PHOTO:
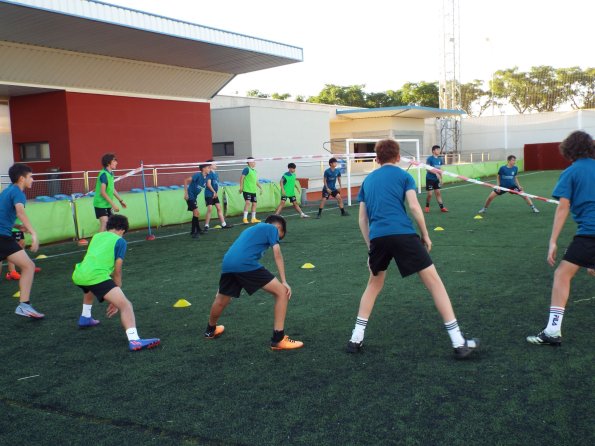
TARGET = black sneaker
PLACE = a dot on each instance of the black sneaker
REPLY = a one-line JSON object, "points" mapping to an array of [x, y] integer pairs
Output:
{"points": [[345, 214], [354, 347], [542, 338], [318, 216], [227, 226], [194, 235], [465, 350]]}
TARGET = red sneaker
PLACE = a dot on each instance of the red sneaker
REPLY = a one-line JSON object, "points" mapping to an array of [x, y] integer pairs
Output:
{"points": [[13, 275], [427, 209], [443, 210]]}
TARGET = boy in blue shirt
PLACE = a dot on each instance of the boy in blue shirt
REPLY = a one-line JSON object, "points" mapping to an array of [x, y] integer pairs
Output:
{"points": [[433, 179], [575, 191], [192, 187], [240, 269], [212, 197], [389, 234], [507, 177], [330, 178], [12, 206], [287, 187], [100, 274]]}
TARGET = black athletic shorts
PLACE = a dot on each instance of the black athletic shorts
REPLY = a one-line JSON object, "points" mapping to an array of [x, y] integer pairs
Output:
{"points": [[210, 201], [326, 193], [99, 289], [231, 284], [8, 246], [291, 199], [103, 212], [432, 184], [191, 204], [410, 255], [18, 236], [581, 251], [502, 192], [249, 197]]}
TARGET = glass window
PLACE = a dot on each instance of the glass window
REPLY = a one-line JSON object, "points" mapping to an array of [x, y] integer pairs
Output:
{"points": [[223, 149], [35, 151]]}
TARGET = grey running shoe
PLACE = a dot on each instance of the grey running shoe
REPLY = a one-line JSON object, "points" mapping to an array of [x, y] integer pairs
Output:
{"points": [[535, 210], [466, 349], [27, 310], [482, 210], [354, 347], [542, 338]]}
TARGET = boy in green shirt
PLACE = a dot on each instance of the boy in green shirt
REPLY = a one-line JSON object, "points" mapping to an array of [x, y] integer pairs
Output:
{"points": [[248, 184], [100, 274], [287, 186], [103, 201]]}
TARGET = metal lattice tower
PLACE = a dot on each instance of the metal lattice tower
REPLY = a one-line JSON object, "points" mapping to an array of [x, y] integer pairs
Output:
{"points": [[450, 87]]}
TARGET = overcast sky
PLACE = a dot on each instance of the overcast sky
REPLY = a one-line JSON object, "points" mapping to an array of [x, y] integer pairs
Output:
{"points": [[385, 43]]}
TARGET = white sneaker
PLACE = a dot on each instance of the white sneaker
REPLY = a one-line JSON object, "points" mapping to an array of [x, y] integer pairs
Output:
{"points": [[304, 215], [482, 210], [535, 210]]}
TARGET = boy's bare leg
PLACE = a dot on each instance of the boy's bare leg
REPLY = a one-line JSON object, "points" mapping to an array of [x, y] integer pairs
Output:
{"points": [[102, 223], [117, 298], [221, 301], [27, 267]]}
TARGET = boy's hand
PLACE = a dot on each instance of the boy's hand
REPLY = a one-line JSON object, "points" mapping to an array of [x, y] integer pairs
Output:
{"points": [[591, 272], [214, 194], [115, 208], [34, 242], [288, 289], [111, 310], [123, 204], [551, 254], [240, 190], [427, 242], [185, 196]]}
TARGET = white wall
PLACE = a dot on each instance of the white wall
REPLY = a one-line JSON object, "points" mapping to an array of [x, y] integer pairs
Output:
{"points": [[6, 156]]}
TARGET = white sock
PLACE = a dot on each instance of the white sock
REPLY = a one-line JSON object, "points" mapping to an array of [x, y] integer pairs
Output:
{"points": [[358, 332], [253, 215], [206, 226], [456, 337], [132, 334], [86, 310], [554, 325], [223, 224], [245, 214]]}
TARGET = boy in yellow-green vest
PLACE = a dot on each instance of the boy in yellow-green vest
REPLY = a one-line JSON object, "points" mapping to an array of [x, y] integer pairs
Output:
{"points": [[105, 191], [248, 184], [287, 185], [100, 274]]}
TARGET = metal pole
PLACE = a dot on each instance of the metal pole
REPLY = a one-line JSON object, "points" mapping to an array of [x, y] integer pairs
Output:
{"points": [[150, 236]]}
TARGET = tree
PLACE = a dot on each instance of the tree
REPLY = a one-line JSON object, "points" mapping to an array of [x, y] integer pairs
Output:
{"points": [[351, 95], [425, 94], [280, 97], [546, 92], [513, 86], [473, 97], [257, 94], [578, 86]]}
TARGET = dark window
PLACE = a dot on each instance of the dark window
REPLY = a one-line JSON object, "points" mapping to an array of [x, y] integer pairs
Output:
{"points": [[35, 151], [223, 149]]}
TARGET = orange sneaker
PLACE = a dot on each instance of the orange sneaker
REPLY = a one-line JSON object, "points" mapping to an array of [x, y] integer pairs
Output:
{"points": [[13, 275], [427, 210], [219, 329], [443, 210], [286, 344], [37, 269]]}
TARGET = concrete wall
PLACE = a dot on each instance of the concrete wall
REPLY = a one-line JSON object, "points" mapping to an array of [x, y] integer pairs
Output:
{"points": [[6, 156]]}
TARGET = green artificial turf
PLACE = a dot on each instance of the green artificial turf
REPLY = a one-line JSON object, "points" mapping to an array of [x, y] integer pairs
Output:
{"points": [[85, 387]]}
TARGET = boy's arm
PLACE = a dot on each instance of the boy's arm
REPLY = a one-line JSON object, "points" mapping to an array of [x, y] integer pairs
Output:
{"points": [[117, 195], [516, 180], [186, 182], [418, 216], [22, 215], [210, 187], [259, 186], [364, 226], [559, 219], [339, 180], [117, 274], [281, 267], [242, 183]]}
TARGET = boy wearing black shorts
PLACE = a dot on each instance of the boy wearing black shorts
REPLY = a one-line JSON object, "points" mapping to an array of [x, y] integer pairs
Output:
{"points": [[18, 234], [240, 269], [12, 206], [287, 186], [248, 184], [105, 191], [389, 234], [100, 275], [331, 176], [433, 179], [212, 197], [575, 191], [192, 187]]}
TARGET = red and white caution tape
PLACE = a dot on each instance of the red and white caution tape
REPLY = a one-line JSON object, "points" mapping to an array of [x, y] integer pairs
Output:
{"points": [[236, 161]]}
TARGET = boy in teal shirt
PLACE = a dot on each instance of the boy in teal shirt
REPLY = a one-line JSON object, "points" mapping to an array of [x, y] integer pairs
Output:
{"points": [[192, 187], [105, 191], [248, 184], [100, 274], [287, 186]]}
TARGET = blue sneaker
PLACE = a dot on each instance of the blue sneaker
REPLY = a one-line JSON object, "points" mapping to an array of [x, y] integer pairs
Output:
{"points": [[140, 344], [85, 322], [27, 310]]}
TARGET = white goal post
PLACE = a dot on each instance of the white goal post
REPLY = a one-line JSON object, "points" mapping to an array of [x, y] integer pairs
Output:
{"points": [[349, 157]]}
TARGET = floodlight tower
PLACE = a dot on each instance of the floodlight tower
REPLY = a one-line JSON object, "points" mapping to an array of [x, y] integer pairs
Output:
{"points": [[450, 87]]}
